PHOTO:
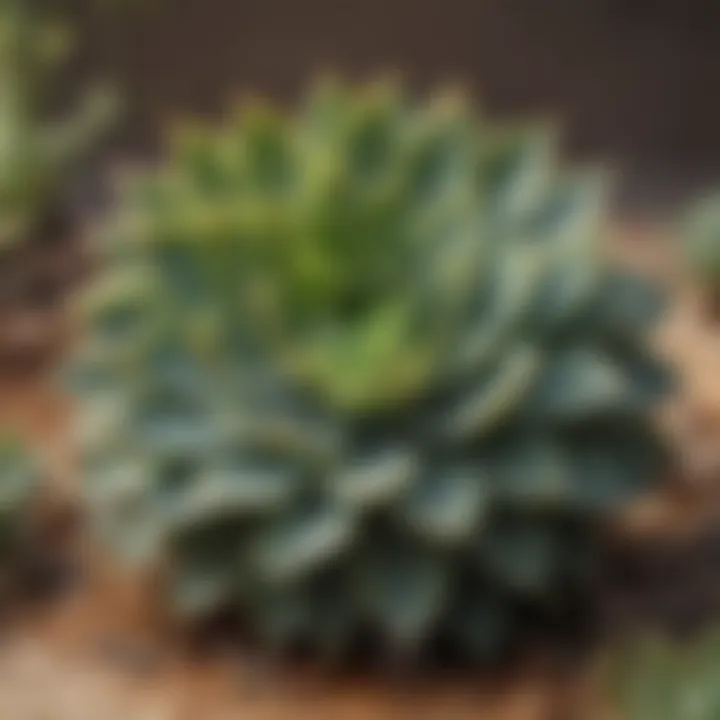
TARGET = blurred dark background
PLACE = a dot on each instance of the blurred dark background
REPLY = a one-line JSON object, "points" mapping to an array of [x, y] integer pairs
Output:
{"points": [[637, 82]]}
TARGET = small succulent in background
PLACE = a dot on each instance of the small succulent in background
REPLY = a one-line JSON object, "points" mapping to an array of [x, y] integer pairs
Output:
{"points": [[657, 679], [702, 238], [18, 482], [37, 156], [366, 372]]}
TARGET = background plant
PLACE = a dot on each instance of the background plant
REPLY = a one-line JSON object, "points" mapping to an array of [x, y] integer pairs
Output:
{"points": [[19, 479], [37, 155], [702, 237], [658, 679]]}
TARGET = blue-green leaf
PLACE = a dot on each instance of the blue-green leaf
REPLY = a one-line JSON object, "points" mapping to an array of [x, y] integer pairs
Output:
{"points": [[301, 543], [521, 554], [376, 479], [449, 505], [497, 397], [580, 383], [404, 592], [532, 470], [232, 492]]}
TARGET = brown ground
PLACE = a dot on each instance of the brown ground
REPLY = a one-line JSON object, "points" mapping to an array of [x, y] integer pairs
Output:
{"points": [[98, 654], [35, 279]]}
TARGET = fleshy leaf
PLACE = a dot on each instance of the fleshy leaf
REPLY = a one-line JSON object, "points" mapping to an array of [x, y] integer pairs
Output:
{"points": [[233, 492], [521, 171], [200, 591], [301, 543], [580, 383], [448, 505], [377, 479], [497, 398], [605, 476], [521, 554], [404, 592], [174, 421], [629, 304], [480, 622], [532, 470], [283, 617]]}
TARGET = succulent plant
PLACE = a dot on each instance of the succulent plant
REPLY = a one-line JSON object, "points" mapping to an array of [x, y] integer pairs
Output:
{"points": [[37, 156], [703, 246], [365, 369], [658, 679], [18, 480]]}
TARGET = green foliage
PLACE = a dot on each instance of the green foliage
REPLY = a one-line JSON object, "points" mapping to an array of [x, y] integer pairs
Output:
{"points": [[365, 369], [37, 156], [660, 680], [18, 480], [702, 234]]}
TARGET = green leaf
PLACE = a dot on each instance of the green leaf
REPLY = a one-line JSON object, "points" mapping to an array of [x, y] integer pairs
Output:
{"points": [[518, 275], [232, 492], [334, 623], [372, 142], [522, 554], [196, 152], [404, 592], [173, 419], [498, 396], [175, 475], [571, 223], [605, 477], [115, 482], [615, 460], [182, 271], [326, 112], [120, 308], [449, 505], [480, 623], [170, 365], [368, 363], [629, 304], [659, 679], [294, 438], [283, 617], [19, 476], [533, 471], [89, 373], [566, 295], [520, 171], [571, 218], [702, 240], [103, 424], [440, 161], [204, 590], [132, 532], [318, 613], [580, 383], [376, 479], [268, 149], [651, 380], [299, 544]]}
